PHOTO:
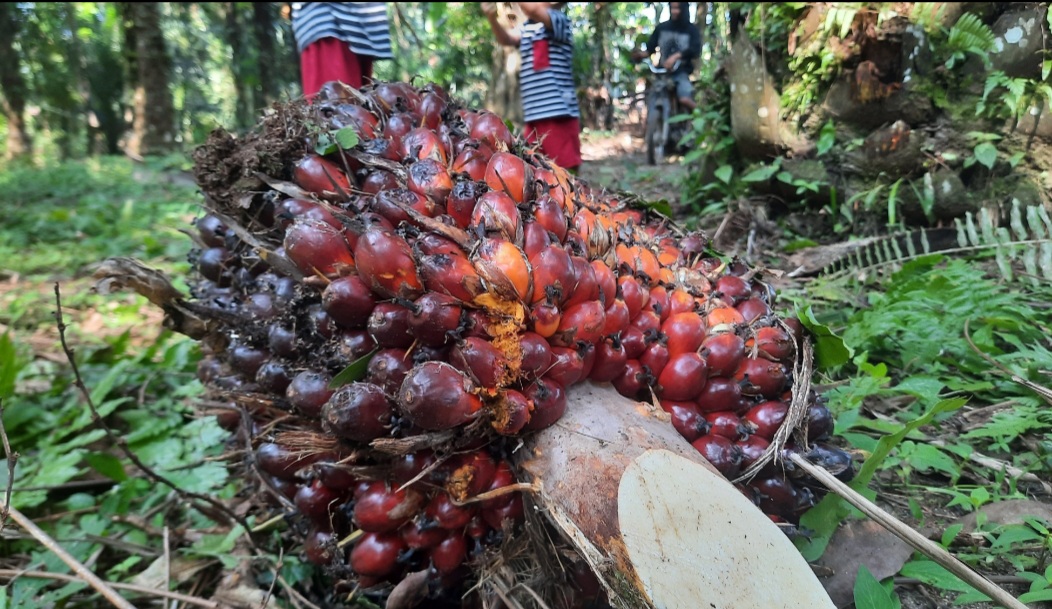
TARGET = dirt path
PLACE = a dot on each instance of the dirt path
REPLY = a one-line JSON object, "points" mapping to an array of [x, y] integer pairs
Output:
{"points": [[617, 160]]}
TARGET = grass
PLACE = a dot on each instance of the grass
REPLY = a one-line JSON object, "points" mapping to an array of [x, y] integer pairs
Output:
{"points": [[914, 394]]}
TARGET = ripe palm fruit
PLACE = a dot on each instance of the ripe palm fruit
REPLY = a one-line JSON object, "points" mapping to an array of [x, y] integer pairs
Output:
{"points": [[481, 283]]}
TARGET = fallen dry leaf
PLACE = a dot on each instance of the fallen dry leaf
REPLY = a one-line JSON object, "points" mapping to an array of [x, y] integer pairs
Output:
{"points": [[860, 542]]}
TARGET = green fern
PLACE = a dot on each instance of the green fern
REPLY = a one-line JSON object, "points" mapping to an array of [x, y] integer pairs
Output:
{"points": [[969, 35]]}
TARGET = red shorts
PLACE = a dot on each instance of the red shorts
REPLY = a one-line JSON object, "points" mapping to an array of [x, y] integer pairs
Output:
{"points": [[560, 139], [332, 59]]}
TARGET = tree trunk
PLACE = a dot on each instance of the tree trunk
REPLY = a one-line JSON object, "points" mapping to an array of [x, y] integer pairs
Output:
{"points": [[12, 86], [504, 97], [701, 21], [154, 117], [263, 24], [243, 103]]}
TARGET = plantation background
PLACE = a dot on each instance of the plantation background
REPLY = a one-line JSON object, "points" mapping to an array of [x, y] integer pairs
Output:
{"points": [[897, 186]]}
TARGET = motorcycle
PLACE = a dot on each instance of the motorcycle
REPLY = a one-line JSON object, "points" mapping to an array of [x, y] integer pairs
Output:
{"points": [[662, 135]]}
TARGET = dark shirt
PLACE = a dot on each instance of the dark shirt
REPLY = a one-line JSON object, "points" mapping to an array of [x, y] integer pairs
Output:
{"points": [[677, 37]]}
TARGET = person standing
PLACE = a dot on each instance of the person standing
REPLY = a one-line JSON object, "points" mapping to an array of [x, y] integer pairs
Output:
{"points": [[549, 95], [340, 41], [679, 41]]}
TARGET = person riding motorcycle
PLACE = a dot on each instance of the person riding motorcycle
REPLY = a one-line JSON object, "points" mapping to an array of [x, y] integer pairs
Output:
{"points": [[678, 40]]}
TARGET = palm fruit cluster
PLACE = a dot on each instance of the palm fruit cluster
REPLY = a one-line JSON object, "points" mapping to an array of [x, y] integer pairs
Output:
{"points": [[394, 310]]}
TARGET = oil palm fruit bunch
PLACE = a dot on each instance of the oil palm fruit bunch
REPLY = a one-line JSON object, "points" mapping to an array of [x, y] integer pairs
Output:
{"points": [[398, 288]]}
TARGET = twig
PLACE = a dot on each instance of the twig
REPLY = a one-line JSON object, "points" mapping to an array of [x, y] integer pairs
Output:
{"points": [[121, 442], [904, 532], [83, 572], [192, 600], [167, 565], [999, 465], [1044, 392], [12, 458]]}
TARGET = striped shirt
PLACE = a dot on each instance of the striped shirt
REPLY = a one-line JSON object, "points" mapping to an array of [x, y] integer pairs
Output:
{"points": [[546, 78], [363, 25]]}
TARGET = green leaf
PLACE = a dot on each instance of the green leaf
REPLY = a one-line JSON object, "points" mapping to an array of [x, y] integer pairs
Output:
{"points": [[1037, 596], [826, 138], [9, 366], [661, 206], [869, 594], [355, 372], [724, 173], [986, 154], [761, 174], [107, 465], [830, 349], [935, 575], [347, 138], [326, 145]]}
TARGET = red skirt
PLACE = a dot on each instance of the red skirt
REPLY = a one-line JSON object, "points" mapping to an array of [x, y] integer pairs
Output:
{"points": [[332, 59], [560, 139]]}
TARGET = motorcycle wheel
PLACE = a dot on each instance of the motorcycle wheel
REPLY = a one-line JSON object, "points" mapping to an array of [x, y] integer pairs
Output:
{"points": [[655, 136]]}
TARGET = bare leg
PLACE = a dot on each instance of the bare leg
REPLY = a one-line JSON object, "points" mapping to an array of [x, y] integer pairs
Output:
{"points": [[688, 103]]}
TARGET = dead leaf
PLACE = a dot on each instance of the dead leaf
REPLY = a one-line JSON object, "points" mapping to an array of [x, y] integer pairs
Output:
{"points": [[860, 542], [181, 571], [409, 592], [1011, 511]]}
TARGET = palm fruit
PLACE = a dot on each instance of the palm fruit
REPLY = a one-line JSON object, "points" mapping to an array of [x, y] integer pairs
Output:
{"points": [[392, 316]]}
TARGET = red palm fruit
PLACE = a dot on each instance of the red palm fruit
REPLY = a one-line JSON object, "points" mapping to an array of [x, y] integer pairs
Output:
{"points": [[765, 418], [610, 359], [685, 332], [721, 394], [549, 404], [398, 125], [731, 289], [647, 321], [796, 328], [686, 419], [217, 264], [752, 449], [581, 322], [282, 462], [724, 319], [447, 514], [508, 173], [423, 143], [319, 322], [317, 502], [389, 326], [680, 301], [320, 545], [389, 204], [485, 364], [361, 223], [417, 537], [385, 263], [434, 317], [309, 391], [359, 412], [489, 128], [336, 476], [429, 178], [584, 222], [319, 176], [503, 476], [683, 377], [658, 302], [248, 360], [777, 495], [379, 180], [353, 115], [212, 230], [545, 318], [723, 353], [567, 367], [348, 301], [436, 396], [460, 204], [753, 309], [290, 209], [511, 511], [819, 422], [633, 380], [431, 108], [549, 214], [655, 357], [376, 554], [452, 274], [587, 351], [315, 247], [773, 343], [761, 377], [553, 275], [634, 341], [273, 377], [692, 246], [607, 282], [468, 474], [721, 453], [381, 507], [727, 424], [549, 184], [477, 324], [409, 467], [390, 150], [633, 293], [353, 344], [616, 318], [587, 287], [387, 369], [504, 268], [496, 214], [449, 555], [511, 412], [536, 355], [472, 163], [535, 238]]}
